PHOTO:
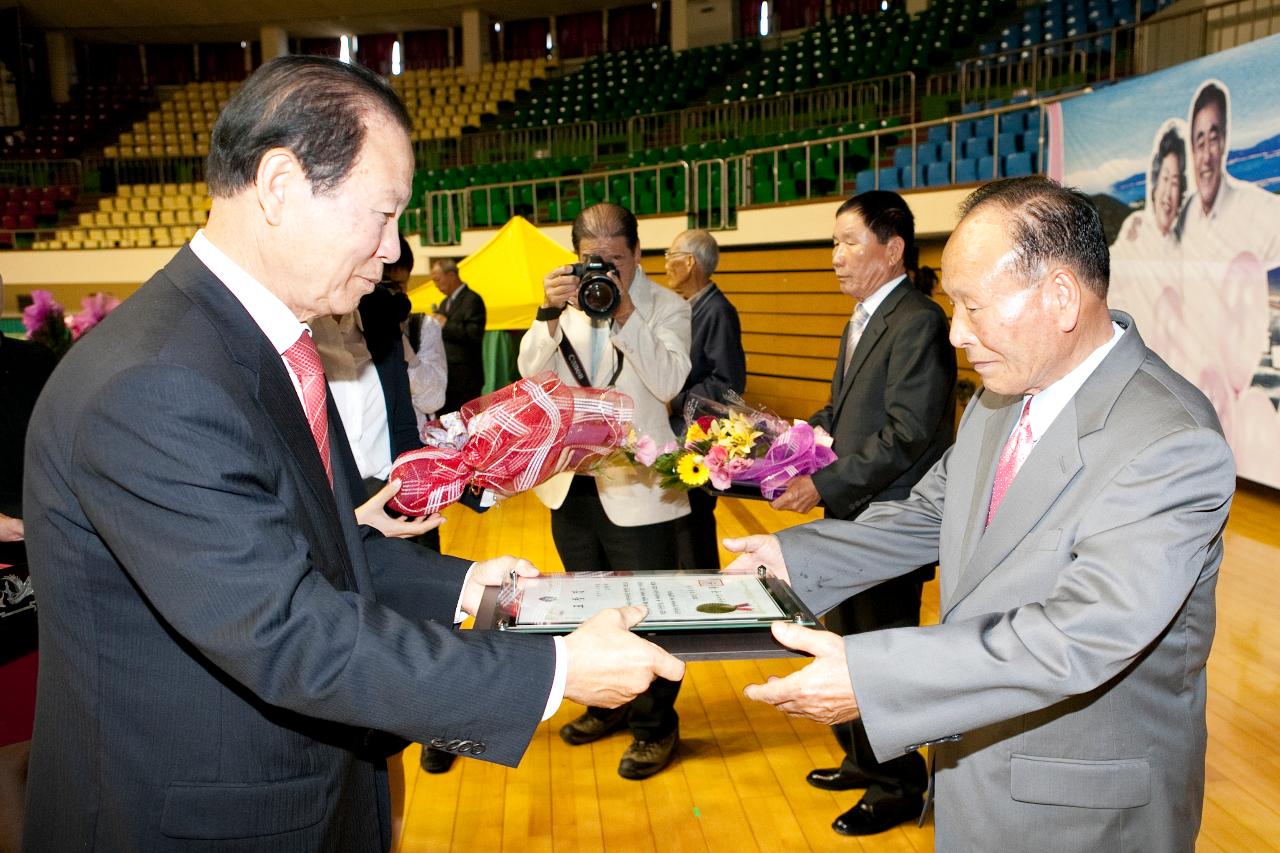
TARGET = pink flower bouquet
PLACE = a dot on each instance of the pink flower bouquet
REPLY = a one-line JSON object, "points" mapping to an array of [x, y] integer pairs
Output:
{"points": [[510, 441], [735, 445]]}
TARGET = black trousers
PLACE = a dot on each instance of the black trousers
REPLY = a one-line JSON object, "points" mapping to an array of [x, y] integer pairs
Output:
{"points": [[892, 604], [588, 541], [696, 540]]}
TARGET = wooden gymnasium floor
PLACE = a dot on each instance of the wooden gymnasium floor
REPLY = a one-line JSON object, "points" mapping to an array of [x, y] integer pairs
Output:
{"points": [[738, 783]]}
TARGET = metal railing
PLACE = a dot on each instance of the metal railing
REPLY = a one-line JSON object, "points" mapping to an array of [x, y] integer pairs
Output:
{"points": [[41, 173], [446, 213], [890, 96], [1159, 42]]}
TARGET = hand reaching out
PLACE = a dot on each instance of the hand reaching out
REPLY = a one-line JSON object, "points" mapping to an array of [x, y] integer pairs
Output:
{"points": [[755, 551], [371, 514], [608, 665], [823, 690]]}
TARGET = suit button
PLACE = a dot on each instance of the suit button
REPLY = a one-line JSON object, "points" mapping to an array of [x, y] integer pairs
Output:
{"points": [[477, 748], [437, 742]]}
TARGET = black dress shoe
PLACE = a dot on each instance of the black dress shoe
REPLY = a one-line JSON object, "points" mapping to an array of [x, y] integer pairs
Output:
{"points": [[836, 779], [870, 818], [436, 760]]}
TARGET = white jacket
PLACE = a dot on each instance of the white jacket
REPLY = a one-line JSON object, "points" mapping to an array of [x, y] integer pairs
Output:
{"points": [[655, 345]]}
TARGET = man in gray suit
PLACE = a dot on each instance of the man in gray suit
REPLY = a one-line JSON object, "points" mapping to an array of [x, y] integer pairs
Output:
{"points": [[226, 659], [1078, 520]]}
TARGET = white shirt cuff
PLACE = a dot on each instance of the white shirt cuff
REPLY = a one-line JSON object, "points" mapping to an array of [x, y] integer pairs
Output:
{"points": [[558, 683]]}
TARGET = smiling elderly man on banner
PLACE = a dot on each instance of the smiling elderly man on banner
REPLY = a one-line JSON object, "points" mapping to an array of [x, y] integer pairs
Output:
{"points": [[1078, 522]]}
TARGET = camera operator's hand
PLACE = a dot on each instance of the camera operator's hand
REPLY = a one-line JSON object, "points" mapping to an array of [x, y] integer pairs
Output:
{"points": [[625, 305], [560, 288]]}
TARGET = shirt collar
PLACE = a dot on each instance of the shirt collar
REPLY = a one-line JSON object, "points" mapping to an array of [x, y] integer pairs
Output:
{"points": [[872, 302], [1049, 403], [275, 319], [697, 297]]}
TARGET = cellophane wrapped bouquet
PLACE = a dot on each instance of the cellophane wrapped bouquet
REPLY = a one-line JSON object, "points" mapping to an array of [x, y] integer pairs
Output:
{"points": [[510, 441], [727, 445]]}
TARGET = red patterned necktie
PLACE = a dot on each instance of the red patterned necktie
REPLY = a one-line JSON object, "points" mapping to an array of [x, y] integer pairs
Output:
{"points": [[1015, 452], [304, 358]]}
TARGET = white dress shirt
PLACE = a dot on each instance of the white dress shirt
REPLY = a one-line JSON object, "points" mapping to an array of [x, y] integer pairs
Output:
{"points": [[1049, 403], [872, 302]]}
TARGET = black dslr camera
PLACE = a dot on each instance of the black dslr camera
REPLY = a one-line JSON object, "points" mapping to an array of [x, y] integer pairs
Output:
{"points": [[598, 295]]}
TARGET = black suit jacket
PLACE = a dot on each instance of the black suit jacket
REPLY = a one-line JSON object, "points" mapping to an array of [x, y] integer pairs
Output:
{"points": [[220, 644], [380, 317], [463, 335], [893, 416], [718, 363]]}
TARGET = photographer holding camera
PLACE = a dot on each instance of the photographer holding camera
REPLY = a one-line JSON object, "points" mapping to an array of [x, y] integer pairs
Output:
{"points": [[604, 324]]}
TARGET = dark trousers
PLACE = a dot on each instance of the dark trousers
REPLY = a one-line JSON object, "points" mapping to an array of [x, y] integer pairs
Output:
{"points": [[588, 541], [892, 604], [696, 540]]}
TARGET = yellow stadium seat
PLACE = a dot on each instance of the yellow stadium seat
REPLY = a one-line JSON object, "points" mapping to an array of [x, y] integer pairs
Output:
{"points": [[133, 217]]}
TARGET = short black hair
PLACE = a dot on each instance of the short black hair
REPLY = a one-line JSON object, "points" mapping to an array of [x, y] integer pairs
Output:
{"points": [[1211, 93], [1170, 143], [887, 216], [314, 106], [603, 221], [1050, 224]]}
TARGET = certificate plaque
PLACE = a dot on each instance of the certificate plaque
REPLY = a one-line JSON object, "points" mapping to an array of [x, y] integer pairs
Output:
{"points": [[694, 615]]}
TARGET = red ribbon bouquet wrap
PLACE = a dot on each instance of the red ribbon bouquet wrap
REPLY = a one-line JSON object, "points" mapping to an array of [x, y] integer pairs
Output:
{"points": [[516, 438]]}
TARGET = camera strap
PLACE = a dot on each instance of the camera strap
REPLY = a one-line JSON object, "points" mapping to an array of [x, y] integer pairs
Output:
{"points": [[575, 363]]}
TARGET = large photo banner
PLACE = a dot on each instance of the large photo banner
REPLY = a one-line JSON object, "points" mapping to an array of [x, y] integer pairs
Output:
{"points": [[1185, 166]]}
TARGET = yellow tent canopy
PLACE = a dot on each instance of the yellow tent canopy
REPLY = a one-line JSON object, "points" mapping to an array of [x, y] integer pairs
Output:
{"points": [[507, 272]]}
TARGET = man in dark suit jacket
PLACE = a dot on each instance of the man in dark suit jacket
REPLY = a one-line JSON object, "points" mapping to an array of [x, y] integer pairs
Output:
{"points": [[892, 415], [226, 657], [719, 368], [462, 318]]}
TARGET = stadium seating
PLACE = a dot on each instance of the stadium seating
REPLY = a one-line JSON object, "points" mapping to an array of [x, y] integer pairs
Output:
{"points": [[138, 216], [443, 101], [179, 128]]}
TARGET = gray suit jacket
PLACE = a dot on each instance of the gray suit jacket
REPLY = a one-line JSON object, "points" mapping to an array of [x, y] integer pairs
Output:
{"points": [[221, 647], [1065, 687]]}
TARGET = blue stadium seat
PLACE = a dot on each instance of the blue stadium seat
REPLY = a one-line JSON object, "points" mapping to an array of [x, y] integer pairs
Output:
{"points": [[977, 147], [927, 153], [902, 157], [1008, 143], [944, 152], [986, 168], [889, 178], [966, 171], [939, 133], [1019, 165], [938, 174], [864, 181]]}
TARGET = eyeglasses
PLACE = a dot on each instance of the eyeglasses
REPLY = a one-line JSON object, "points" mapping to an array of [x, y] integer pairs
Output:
{"points": [[669, 254]]}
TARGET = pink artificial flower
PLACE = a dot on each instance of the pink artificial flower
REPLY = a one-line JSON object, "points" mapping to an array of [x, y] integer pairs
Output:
{"points": [[94, 308], [646, 450], [717, 462], [37, 315], [669, 447]]}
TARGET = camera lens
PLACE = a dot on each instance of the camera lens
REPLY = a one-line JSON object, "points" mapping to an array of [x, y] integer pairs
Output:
{"points": [[598, 296]]}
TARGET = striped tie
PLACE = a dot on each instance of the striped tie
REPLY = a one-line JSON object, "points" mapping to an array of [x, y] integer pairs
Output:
{"points": [[856, 327], [1015, 452], [305, 361]]}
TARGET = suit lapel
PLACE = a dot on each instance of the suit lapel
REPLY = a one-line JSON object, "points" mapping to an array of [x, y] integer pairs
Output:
{"points": [[1048, 471], [248, 346], [876, 326]]}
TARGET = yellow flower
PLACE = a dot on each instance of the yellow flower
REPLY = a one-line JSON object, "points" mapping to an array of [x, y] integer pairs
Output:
{"points": [[692, 471], [694, 434]]}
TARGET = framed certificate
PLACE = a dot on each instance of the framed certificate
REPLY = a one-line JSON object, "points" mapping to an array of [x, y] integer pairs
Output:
{"points": [[694, 615]]}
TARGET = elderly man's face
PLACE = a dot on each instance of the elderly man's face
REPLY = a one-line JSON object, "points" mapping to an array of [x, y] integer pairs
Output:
{"points": [[862, 263], [615, 251], [339, 242], [1167, 196], [1002, 321], [680, 266], [445, 282], [1208, 139]]}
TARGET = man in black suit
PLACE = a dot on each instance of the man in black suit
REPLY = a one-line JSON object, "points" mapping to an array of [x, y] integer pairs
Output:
{"points": [[461, 317], [226, 658], [719, 368], [892, 415]]}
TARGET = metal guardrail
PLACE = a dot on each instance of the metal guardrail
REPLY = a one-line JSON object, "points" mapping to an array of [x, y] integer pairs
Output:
{"points": [[41, 173], [445, 213], [890, 96], [1167, 39]]}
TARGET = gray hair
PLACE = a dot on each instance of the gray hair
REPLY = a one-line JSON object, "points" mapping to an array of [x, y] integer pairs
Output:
{"points": [[703, 247], [445, 265]]}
